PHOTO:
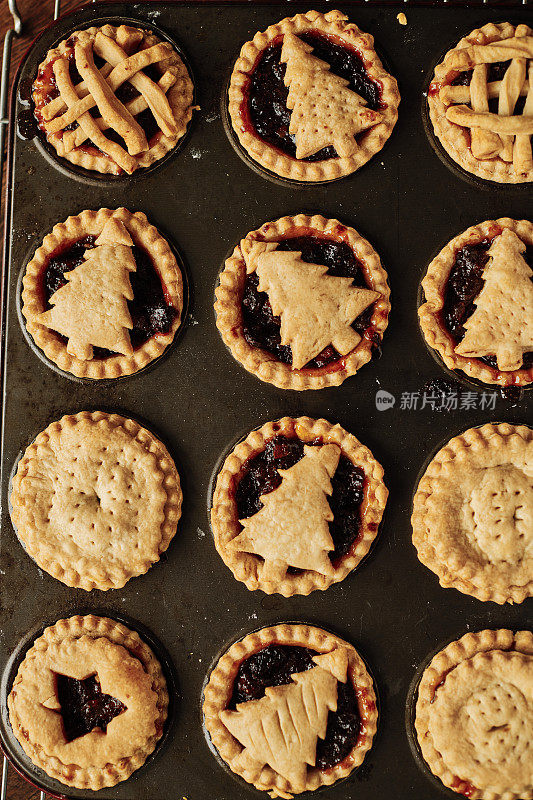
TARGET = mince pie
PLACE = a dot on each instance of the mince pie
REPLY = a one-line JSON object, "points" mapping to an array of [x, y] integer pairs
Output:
{"points": [[303, 302], [478, 310], [103, 294], [474, 715], [481, 102], [113, 99], [89, 702], [296, 506], [473, 513], [309, 99], [96, 499], [290, 709]]}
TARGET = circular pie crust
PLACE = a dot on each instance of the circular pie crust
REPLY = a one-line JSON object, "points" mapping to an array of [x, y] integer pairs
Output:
{"points": [[96, 499], [74, 228], [434, 287], [180, 97], [83, 646], [334, 24], [456, 139], [460, 492], [477, 717], [219, 689], [260, 362], [247, 567]]}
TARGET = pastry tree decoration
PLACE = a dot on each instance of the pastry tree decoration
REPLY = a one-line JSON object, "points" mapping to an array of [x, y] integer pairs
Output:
{"points": [[325, 112], [316, 309], [291, 529], [92, 309], [282, 728], [502, 322]]}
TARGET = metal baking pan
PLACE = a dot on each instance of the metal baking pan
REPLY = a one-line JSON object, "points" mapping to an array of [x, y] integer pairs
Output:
{"points": [[408, 203]]}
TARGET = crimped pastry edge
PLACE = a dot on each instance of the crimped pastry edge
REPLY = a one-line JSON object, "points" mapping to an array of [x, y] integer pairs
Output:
{"points": [[94, 626], [434, 284], [264, 365], [218, 690], [247, 567], [170, 483], [333, 23], [75, 227]]}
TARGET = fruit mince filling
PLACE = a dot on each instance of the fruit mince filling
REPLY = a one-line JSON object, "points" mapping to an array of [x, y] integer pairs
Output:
{"points": [[273, 666], [84, 706]]}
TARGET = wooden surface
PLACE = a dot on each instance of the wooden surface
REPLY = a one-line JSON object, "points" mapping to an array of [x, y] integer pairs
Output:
{"points": [[35, 14]]}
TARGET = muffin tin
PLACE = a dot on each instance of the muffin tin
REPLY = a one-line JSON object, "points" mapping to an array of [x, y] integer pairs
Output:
{"points": [[199, 401]]}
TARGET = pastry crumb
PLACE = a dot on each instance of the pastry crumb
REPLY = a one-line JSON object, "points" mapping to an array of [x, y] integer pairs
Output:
{"points": [[402, 19]]}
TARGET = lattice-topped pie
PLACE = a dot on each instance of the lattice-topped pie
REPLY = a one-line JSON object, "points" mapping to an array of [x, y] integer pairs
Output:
{"points": [[473, 513], [309, 99], [89, 702], [103, 294], [296, 506], [290, 709], [481, 102], [96, 499], [113, 99], [474, 715], [303, 302], [478, 310]]}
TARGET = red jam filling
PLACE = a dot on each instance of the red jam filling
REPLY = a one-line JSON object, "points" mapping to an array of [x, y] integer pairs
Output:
{"points": [[84, 706], [263, 330], [266, 110], [273, 666], [260, 476], [151, 312]]}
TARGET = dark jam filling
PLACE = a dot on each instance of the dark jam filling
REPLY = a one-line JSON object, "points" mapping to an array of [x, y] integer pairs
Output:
{"points": [[150, 312], [273, 666], [495, 72], [261, 476], [84, 706], [262, 329], [267, 94], [465, 282]]}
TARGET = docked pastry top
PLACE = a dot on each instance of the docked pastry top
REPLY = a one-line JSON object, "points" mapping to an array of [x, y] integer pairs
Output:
{"points": [[113, 99], [103, 295], [481, 102], [303, 302], [309, 98]]}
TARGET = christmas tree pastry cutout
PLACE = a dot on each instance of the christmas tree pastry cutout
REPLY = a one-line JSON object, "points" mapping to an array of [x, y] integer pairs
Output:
{"points": [[282, 728], [325, 112], [502, 322], [91, 309], [291, 529], [316, 309]]}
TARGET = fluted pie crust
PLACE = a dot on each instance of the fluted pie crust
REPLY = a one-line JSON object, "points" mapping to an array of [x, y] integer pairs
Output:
{"points": [[247, 567], [434, 288], [265, 365], [484, 719], [89, 222], [96, 500], [219, 689], [132, 674], [334, 24]]}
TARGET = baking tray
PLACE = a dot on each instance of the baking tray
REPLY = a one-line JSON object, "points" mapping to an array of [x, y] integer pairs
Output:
{"points": [[408, 203]]}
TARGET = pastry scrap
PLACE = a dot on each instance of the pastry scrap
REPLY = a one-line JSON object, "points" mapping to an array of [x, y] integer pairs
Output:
{"points": [[303, 302], [290, 709], [474, 715], [103, 294], [113, 99], [478, 310], [297, 506], [89, 702], [309, 98], [473, 513], [481, 102], [96, 499]]}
